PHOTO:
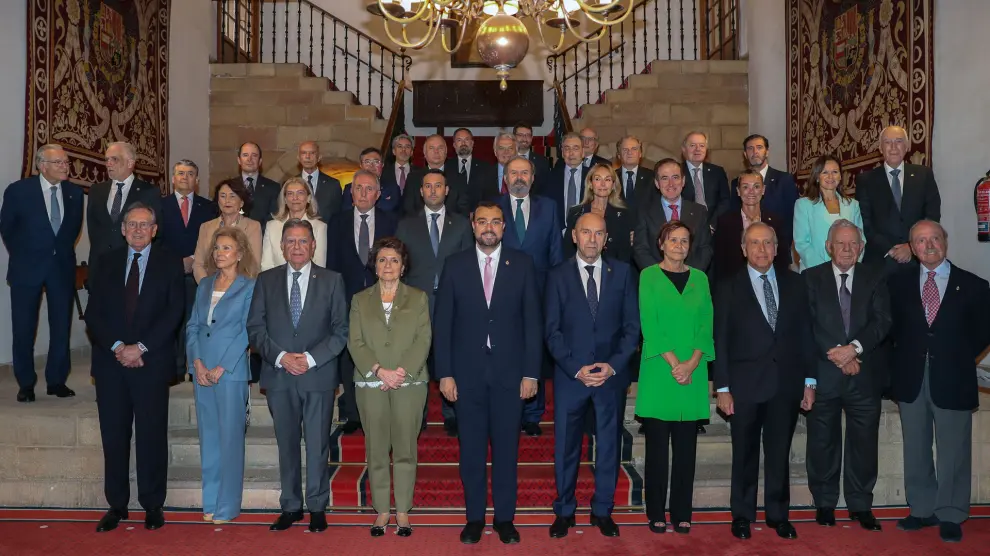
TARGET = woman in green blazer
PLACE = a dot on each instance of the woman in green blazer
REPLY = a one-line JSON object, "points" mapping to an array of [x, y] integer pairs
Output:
{"points": [[389, 341], [675, 307]]}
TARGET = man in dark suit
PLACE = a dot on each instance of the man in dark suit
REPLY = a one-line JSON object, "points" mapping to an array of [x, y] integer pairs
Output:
{"points": [[589, 146], [523, 134], [566, 183], [492, 183], [892, 197], [350, 236], [108, 200], [135, 306], [264, 192], [488, 345], [389, 195], [531, 226], [764, 374], [431, 236], [435, 150], [713, 190], [326, 190], [850, 315], [638, 183], [183, 213], [939, 329], [396, 172], [592, 331], [40, 221], [470, 173], [780, 190], [671, 206], [298, 323]]}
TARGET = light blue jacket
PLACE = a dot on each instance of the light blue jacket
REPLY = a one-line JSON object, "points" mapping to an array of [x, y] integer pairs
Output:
{"points": [[224, 341], [811, 224]]}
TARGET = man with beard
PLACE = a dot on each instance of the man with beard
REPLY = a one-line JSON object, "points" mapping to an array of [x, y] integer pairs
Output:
{"points": [[523, 134], [467, 171], [780, 190], [488, 350]]}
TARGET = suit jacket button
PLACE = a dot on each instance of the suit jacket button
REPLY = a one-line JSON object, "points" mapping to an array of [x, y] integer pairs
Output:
{"points": [[294, 334], [214, 321], [207, 334], [386, 344]]}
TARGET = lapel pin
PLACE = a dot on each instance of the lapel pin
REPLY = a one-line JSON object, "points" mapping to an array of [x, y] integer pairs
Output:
{"points": [[507, 262], [957, 288]]}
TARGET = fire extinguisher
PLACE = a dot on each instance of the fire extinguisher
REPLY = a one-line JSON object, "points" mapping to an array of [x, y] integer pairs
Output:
{"points": [[981, 197]]}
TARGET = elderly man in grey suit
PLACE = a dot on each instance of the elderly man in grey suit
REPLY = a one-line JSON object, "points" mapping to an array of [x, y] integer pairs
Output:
{"points": [[298, 323]]}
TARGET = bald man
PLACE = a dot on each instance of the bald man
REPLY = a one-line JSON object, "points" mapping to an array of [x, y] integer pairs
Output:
{"points": [[892, 198], [326, 190]]}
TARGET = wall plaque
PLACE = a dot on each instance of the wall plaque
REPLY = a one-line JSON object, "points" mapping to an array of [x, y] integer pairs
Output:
{"points": [[476, 103]]}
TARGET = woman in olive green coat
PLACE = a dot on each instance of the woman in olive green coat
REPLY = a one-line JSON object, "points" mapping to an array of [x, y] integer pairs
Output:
{"points": [[389, 341], [675, 307]]}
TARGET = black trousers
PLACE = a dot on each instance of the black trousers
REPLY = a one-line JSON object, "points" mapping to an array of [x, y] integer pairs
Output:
{"points": [[774, 422], [682, 436], [139, 397], [825, 451], [347, 402]]}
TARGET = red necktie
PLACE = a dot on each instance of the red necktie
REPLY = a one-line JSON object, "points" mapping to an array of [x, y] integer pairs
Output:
{"points": [[402, 178], [184, 207], [674, 215], [929, 297]]}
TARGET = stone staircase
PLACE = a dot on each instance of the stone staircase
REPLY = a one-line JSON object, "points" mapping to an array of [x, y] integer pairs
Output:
{"points": [[671, 99], [278, 106]]}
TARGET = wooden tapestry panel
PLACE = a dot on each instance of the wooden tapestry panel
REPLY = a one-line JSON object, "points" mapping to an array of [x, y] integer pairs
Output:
{"points": [[98, 73], [854, 67]]}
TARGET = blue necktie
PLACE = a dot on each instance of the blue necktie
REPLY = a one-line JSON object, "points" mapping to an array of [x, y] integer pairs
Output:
{"points": [[592, 291], [295, 299], [520, 221], [56, 217]]}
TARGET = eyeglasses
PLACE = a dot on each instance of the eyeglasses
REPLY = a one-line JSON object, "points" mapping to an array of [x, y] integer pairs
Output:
{"points": [[57, 162], [138, 225], [485, 223], [371, 162]]}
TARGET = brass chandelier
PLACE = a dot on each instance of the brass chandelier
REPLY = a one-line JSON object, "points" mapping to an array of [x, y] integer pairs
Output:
{"points": [[502, 39]]}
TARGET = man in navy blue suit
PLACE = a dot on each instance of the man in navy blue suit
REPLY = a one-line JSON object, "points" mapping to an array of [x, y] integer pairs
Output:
{"points": [[566, 183], [532, 226], [389, 194], [349, 238], [40, 221], [592, 331], [487, 344], [780, 191], [183, 213]]}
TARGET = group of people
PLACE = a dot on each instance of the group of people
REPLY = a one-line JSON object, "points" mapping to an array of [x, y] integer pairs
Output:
{"points": [[488, 278]]}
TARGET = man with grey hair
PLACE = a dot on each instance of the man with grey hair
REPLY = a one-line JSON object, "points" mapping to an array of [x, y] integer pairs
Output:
{"points": [[396, 172], [388, 195], [850, 315], [939, 329], [566, 183], [109, 199], [892, 197], [182, 213], [704, 183], [636, 181], [41, 247], [435, 152], [326, 190], [589, 146]]}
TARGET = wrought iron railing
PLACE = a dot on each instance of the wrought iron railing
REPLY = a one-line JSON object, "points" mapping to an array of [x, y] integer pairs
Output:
{"points": [[297, 31]]}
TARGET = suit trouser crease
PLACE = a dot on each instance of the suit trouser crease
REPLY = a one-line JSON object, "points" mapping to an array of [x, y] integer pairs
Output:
{"points": [[661, 436], [773, 421], [825, 458], [391, 422], [936, 486], [347, 402], [219, 418], [25, 305], [302, 415]]}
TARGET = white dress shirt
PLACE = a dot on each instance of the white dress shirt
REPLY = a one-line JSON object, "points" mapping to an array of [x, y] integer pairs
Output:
{"points": [[113, 192], [513, 202], [429, 219], [481, 262], [763, 173], [900, 176], [584, 275], [849, 286], [357, 227], [46, 192], [303, 287]]}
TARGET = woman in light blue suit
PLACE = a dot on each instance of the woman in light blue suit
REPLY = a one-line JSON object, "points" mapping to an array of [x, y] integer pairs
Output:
{"points": [[216, 343], [822, 203]]}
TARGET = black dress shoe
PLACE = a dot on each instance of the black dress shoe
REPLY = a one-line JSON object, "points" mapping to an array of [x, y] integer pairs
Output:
{"points": [[866, 520], [532, 429], [659, 527], [285, 520], [950, 532], [60, 390], [450, 425], [25, 395], [825, 517], [472, 531], [606, 525], [350, 427], [154, 519], [317, 522], [561, 524], [740, 529], [913, 523], [110, 520], [701, 429], [507, 532], [784, 529]]}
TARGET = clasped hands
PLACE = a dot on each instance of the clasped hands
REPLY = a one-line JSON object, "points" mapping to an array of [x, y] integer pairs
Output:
{"points": [[592, 378], [391, 379], [129, 355], [295, 363], [845, 359], [207, 377]]}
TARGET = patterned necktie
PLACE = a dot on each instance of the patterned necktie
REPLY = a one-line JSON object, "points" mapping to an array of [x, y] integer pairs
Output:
{"points": [[674, 215], [364, 239], [184, 209], [520, 221], [845, 302], [132, 288], [489, 280], [592, 291], [295, 299], [464, 166], [771, 302], [402, 178], [699, 188], [56, 215], [118, 200], [630, 185], [312, 186], [895, 186], [572, 189], [250, 185], [930, 298]]}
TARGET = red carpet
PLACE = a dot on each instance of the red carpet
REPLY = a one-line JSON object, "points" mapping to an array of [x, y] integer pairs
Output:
{"points": [[438, 484], [29, 538]]}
